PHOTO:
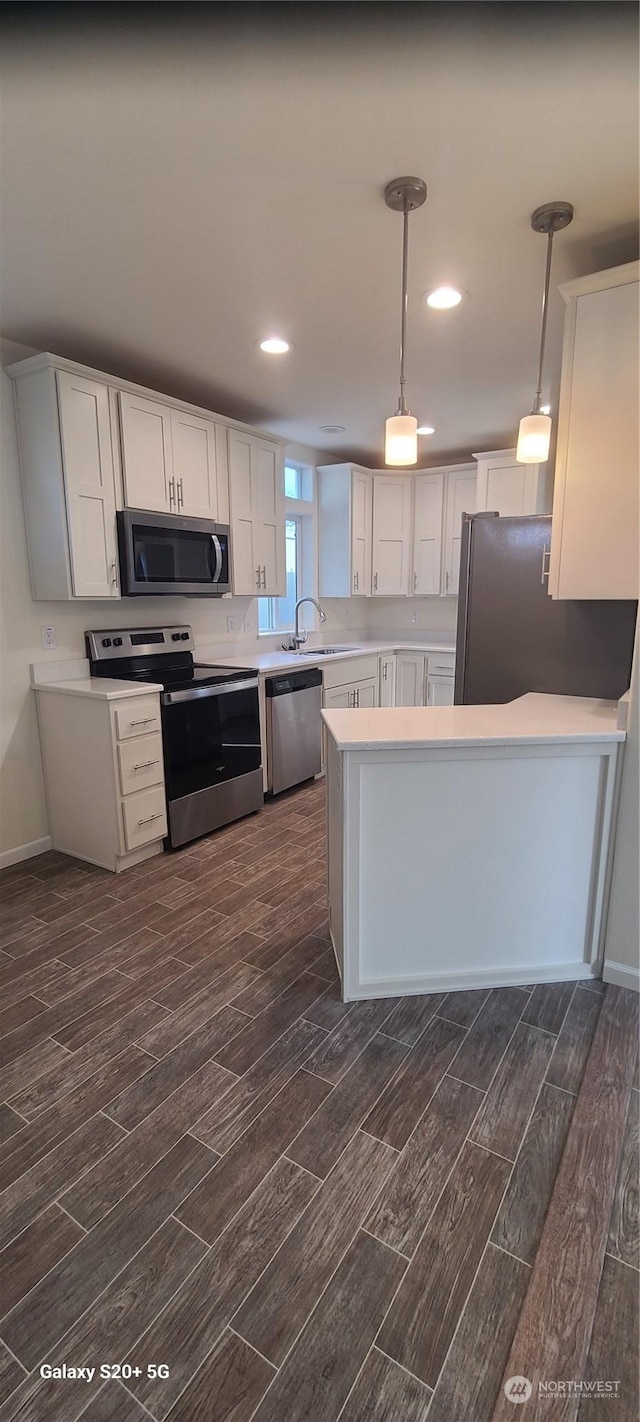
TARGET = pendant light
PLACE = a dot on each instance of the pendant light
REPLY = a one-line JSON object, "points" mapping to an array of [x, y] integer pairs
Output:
{"points": [[534, 433], [401, 430]]}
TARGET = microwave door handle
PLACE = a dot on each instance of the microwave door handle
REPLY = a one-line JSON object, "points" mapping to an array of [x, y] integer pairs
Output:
{"points": [[218, 552]]}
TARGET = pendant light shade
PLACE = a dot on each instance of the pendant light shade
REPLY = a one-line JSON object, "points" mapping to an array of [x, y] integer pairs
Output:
{"points": [[401, 440], [534, 438], [401, 430], [534, 433]]}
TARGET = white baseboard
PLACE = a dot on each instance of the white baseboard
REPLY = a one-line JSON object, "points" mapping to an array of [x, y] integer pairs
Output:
{"points": [[620, 975], [24, 851]]}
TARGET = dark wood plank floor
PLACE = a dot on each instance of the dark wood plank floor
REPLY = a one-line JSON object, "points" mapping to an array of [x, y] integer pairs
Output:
{"points": [[294, 1208]]}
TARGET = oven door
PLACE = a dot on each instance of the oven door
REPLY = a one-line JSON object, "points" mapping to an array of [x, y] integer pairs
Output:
{"points": [[211, 736], [163, 554]]}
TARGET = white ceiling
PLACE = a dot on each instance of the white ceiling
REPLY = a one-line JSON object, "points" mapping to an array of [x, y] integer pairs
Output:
{"points": [[177, 186]]}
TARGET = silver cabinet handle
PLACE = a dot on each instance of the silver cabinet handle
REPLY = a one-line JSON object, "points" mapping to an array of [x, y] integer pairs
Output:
{"points": [[172, 492], [355, 582], [258, 578], [149, 820], [384, 671], [146, 722], [546, 553], [352, 698], [448, 670], [145, 764], [180, 494], [114, 574], [415, 581], [446, 582], [375, 582], [429, 695], [264, 576], [357, 696]]}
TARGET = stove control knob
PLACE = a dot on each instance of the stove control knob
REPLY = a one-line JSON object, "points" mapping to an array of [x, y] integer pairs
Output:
{"points": [[117, 641], [184, 636], [106, 641], [175, 636]]}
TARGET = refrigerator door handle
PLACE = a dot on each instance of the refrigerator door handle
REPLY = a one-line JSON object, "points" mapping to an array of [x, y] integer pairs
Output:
{"points": [[546, 553]]}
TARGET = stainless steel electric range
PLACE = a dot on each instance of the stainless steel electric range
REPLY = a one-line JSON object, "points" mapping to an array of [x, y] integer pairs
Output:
{"points": [[210, 725]]}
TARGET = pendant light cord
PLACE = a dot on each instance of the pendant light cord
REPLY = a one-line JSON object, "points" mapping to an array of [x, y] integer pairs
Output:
{"points": [[543, 334], [402, 406]]}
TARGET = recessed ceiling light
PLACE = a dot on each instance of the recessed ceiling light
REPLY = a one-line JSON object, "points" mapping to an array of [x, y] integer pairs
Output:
{"points": [[275, 345], [332, 429], [426, 429], [443, 297]]}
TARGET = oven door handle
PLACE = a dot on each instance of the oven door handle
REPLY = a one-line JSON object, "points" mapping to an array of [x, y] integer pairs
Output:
{"points": [[170, 698], [218, 552]]}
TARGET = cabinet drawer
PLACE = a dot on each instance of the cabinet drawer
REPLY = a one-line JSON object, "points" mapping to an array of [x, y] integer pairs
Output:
{"points": [[140, 763], [137, 717], [441, 663], [352, 669], [145, 817]]}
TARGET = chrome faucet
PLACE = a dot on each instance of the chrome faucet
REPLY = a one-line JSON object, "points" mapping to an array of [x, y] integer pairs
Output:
{"points": [[298, 637]]}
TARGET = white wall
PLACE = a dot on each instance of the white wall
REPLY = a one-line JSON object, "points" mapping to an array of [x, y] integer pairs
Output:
{"points": [[23, 817], [623, 925]]}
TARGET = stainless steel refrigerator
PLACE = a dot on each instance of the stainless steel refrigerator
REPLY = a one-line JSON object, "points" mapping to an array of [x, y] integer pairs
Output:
{"points": [[513, 638]]}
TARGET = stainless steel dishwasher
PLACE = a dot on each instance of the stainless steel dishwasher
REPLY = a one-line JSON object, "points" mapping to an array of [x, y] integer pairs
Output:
{"points": [[294, 727]]}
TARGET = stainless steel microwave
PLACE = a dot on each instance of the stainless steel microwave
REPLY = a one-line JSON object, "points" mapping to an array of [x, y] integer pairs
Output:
{"points": [[163, 554]]}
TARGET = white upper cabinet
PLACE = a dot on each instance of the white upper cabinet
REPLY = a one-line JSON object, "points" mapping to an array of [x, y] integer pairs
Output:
{"points": [[510, 489], [147, 461], [594, 540], [345, 514], [460, 498], [256, 484], [85, 433], [68, 484], [427, 534], [195, 465], [361, 523], [391, 548]]}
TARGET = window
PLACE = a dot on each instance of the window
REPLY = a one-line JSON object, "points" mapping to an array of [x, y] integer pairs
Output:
{"points": [[292, 481], [276, 614]]}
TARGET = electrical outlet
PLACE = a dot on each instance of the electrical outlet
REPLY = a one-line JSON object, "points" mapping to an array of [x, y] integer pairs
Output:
{"points": [[48, 638], [231, 624]]}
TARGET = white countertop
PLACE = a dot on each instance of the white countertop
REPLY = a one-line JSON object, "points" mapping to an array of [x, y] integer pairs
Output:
{"points": [[102, 688], [267, 662], [530, 720]]}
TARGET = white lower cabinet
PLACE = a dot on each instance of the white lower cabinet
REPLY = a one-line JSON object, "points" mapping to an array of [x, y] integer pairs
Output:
{"points": [[439, 690], [387, 679], [351, 683], [411, 671], [104, 776]]}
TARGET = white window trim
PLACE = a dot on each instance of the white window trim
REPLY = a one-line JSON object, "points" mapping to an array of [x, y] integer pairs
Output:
{"points": [[305, 513]]}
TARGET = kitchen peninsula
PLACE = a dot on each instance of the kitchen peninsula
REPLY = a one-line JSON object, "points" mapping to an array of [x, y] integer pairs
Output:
{"points": [[469, 845]]}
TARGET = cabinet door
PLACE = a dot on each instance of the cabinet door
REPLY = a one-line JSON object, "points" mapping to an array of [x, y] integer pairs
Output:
{"points": [[510, 489], [391, 536], [410, 678], [269, 530], [244, 556], [366, 693], [460, 498], [440, 691], [194, 465], [146, 454], [89, 485], [387, 681], [361, 515], [427, 535], [594, 532], [338, 697]]}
